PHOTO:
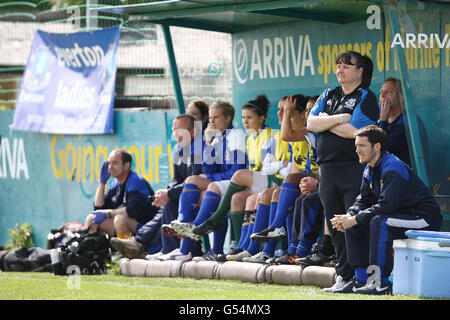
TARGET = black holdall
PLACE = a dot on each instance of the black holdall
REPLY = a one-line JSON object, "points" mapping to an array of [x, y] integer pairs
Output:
{"points": [[23, 259], [89, 252]]}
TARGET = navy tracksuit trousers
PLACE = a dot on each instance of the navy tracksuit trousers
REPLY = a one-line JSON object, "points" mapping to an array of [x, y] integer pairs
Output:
{"points": [[308, 220], [149, 234], [339, 185], [372, 244], [152, 237]]}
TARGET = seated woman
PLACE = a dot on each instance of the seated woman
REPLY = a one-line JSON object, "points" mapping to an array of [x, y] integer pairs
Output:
{"points": [[275, 167], [296, 110], [270, 197], [224, 154], [254, 113]]}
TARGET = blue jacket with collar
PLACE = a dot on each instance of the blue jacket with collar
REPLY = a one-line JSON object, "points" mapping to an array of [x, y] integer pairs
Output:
{"points": [[393, 187], [132, 194], [186, 161], [225, 155]]}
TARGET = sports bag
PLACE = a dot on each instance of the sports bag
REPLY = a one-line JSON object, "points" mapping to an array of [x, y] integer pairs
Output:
{"points": [[23, 259], [89, 252], [59, 237]]}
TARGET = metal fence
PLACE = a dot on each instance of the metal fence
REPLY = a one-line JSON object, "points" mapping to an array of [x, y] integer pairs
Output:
{"points": [[143, 77]]}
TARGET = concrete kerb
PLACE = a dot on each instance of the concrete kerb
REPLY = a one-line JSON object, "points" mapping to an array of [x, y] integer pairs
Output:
{"points": [[231, 270]]}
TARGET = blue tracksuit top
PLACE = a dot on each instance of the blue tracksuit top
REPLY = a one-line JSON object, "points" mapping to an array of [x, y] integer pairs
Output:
{"points": [[133, 195], [225, 155], [393, 187], [361, 104], [187, 161]]}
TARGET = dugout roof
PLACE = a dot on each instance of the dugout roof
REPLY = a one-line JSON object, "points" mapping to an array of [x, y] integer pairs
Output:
{"points": [[232, 16]]}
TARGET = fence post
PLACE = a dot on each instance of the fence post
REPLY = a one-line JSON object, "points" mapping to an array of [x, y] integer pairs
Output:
{"points": [[173, 69]]}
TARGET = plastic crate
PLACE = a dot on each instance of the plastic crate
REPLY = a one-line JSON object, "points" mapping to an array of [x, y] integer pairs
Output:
{"points": [[422, 264]]}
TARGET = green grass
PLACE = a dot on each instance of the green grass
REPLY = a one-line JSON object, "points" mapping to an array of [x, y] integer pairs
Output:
{"points": [[46, 286]]}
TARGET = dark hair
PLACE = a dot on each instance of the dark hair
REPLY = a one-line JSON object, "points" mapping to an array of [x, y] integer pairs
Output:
{"points": [[190, 119], [202, 107], [260, 105], [312, 98], [375, 135], [300, 102], [126, 156], [360, 62]]}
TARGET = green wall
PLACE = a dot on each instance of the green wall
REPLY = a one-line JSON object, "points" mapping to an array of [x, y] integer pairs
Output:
{"points": [[281, 60], [48, 180]]}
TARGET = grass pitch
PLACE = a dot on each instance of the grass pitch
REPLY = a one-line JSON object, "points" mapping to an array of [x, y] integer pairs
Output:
{"points": [[46, 286]]}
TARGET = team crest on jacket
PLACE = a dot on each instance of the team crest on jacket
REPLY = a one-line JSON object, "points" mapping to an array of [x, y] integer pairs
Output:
{"points": [[350, 103]]}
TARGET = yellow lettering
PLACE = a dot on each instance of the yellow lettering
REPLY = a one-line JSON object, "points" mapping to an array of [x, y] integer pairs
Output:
{"points": [[334, 55], [363, 49], [57, 172], [409, 58], [328, 63], [79, 165], [100, 151], [136, 159], [421, 64], [147, 176], [387, 48], [368, 49], [84, 162], [70, 173], [436, 57], [88, 152], [380, 56], [169, 152], [416, 50], [320, 68], [158, 151], [430, 54]]}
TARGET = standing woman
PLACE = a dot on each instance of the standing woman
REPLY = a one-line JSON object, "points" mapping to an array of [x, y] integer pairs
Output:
{"points": [[303, 165], [337, 115]]}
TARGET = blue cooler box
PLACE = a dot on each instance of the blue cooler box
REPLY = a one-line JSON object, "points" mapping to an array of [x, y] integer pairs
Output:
{"points": [[422, 264]]}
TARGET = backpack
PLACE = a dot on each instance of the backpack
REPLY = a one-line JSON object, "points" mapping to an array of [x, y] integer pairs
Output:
{"points": [[89, 251], [26, 260], [59, 237]]}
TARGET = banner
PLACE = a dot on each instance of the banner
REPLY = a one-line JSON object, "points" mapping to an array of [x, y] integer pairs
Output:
{"points": [[68, 84]]}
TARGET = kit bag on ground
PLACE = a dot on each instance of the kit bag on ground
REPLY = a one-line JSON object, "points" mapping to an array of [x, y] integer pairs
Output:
{"points": [[23, 259], [85, 253], [59, 237]]}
